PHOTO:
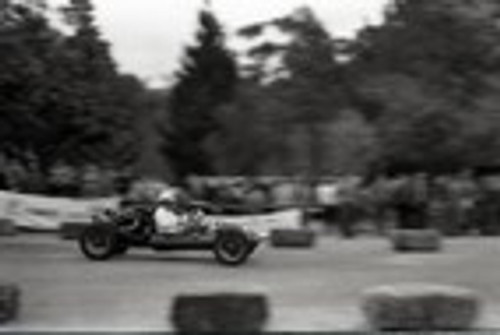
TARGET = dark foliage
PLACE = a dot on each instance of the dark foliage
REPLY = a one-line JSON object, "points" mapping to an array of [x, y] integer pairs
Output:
{"points": [[205, 82]]}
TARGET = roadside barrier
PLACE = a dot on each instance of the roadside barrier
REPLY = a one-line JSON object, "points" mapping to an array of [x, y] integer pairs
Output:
{"points": [[8, 227], [420, 307], [221, 312], [9, 302], [292, 238], [72, 230], [416, 240]]}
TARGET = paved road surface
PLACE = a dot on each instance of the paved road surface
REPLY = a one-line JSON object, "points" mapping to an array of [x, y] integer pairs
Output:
{"points": [[315, 289]]}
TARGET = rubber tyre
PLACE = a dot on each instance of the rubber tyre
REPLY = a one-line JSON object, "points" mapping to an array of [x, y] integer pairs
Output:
{"points": [[98, 242], [232, 248]]}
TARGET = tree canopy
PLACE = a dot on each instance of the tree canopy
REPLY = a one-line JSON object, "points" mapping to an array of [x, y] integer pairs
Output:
{"points": [[422, 87], [419, 91], [425, 77], [62, 98]]}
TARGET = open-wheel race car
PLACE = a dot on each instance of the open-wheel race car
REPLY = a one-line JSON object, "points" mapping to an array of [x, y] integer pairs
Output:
{"points": [[113, 232]]}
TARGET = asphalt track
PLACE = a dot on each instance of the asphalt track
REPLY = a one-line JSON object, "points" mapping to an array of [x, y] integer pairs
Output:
{"points": [[318, 289]]}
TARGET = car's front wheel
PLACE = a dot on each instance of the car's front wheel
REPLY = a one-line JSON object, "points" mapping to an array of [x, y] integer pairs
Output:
{"points": [[99, 242], [232, 248]]}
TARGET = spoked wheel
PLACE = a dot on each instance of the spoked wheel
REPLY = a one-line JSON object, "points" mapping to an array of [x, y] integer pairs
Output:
{"points": [[98, 242], [232, 248]]}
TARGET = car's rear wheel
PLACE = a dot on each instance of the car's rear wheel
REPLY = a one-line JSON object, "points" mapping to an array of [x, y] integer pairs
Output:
{"points": [[99, 242], [232, 248]]}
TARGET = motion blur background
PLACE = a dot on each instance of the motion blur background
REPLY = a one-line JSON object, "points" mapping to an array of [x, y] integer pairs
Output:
{"points": [[316, 96]]}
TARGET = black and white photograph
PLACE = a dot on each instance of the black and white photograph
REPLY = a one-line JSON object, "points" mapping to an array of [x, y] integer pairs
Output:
{"points": [[249, 166]]}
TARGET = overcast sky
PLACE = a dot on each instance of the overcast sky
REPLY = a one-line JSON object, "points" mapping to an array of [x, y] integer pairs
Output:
{"points": [[148, 36]]}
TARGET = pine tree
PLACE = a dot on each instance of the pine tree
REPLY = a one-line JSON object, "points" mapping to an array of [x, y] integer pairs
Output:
{"points": [[102, 102], [205, 82]]}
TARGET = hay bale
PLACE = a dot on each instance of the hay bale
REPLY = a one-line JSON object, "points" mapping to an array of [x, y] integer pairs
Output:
{"points": [[7, 227], [419, 240], [219, 312], [72, 230], [292, 238], [420, 307], [9, 302]]}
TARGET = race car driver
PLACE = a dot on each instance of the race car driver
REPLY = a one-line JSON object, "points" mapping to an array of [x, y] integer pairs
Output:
{"points": [[167, 216]]}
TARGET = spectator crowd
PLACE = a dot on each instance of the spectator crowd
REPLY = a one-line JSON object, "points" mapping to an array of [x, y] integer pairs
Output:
{"points": [[467, 202], [461, 203]]}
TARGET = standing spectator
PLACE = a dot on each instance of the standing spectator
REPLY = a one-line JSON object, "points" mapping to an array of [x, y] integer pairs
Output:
{"points": [[487, 206], [440, 206], [348, 208], [328, 199], [380, 193], [411, 202], [257, 197], [122, 183], [463, 196]]}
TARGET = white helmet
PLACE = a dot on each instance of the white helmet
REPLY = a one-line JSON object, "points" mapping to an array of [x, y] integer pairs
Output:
{"points": [[168, 195]]}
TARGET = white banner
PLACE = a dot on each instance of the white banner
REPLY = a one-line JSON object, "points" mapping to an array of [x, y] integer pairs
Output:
{"points": [[264, 223], [48, 213]]}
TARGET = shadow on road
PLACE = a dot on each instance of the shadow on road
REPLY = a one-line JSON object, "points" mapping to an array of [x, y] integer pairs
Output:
{"points": [[170, 258], [205, 259]]}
